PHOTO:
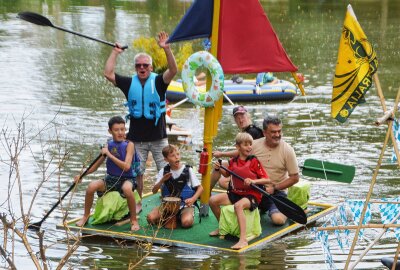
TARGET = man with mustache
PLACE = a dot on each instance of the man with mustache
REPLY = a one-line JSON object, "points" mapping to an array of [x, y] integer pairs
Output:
{"points": [[279, 160]]}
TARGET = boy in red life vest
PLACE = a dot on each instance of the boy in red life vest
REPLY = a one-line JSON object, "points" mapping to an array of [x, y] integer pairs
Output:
{"points": [[176, 180], [119, 153], [240, 193]]}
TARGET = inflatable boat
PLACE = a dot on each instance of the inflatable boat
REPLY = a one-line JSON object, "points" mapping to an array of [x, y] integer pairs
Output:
{"points": [[280, 90]]}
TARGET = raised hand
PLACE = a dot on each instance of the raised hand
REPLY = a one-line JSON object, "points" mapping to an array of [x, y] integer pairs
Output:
{"points": [[162, 40]]}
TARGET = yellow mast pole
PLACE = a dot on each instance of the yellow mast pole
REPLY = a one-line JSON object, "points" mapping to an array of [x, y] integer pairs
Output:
{"points": [[212, 115], [299, 83]]}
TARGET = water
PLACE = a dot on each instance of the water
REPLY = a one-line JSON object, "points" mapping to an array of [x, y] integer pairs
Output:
{"points": [[48, 76]]}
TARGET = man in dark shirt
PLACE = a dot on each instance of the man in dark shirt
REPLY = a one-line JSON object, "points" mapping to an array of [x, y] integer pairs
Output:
{"points": [[244, 123], [147, 130]]}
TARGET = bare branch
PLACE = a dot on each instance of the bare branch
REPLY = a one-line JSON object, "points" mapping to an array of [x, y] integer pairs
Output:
{"points": [[42, 249], [10, 262]]}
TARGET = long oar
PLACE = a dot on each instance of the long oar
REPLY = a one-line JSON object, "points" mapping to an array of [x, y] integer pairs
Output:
{"points": [[41, 20], [284, 205], [36, 226], [328, 170]]}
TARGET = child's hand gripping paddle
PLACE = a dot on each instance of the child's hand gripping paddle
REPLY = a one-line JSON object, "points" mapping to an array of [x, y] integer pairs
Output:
{"points": [[284, 205]]}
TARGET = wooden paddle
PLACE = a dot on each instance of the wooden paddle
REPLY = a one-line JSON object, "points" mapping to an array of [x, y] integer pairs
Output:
{"points": [[284, 205], [36, 226], [328, 170], [41, 20]]}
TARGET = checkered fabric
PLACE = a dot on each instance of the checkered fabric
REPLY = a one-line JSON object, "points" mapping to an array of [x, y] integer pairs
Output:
{"points": [[323, 236], [334, 223], [389, 211], [343, 219], [356, 208]]}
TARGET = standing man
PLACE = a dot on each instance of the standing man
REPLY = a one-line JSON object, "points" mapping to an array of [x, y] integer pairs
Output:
{"points": [[146, 95], [279, 160]]}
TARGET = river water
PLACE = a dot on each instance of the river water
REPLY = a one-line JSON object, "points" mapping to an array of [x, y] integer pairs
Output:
{"points": [[53, 81]]}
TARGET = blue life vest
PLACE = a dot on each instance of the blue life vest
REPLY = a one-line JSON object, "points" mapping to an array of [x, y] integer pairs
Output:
{"points": [[145, 101], [177, 187], [117, 149]]}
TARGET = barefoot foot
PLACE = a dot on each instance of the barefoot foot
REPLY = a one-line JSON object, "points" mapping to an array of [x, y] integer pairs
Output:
{"points": [[240, 245], [214, 233], [82, 221], [134, 226]]}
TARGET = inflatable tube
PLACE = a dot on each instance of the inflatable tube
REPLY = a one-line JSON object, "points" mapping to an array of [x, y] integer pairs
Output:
{"points": [[244, 92], [197, 97]]}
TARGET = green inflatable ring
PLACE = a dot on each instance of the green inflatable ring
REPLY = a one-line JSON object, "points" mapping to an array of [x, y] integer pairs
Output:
{"points": [[207, 60]]}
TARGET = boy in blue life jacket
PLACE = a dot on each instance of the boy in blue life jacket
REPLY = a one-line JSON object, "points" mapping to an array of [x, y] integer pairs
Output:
{"points": [[240, 193], [119, 153], [176, 180]]}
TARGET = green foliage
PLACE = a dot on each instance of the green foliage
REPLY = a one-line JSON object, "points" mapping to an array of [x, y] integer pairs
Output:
{"points": [[150, 46]]}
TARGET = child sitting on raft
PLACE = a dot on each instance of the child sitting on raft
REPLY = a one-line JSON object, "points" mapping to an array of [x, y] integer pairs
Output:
{"points": [[240, 193], [119, 153], [176, 180]]}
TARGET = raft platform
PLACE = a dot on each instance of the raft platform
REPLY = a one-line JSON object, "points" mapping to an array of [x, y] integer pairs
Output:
{"points": [[196, 237]]}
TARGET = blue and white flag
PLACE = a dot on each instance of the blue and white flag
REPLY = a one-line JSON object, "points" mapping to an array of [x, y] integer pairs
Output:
{"points": [[389, 212], [396, 132], [356, 208], [322, 236], [334, 223], [343, 219]]}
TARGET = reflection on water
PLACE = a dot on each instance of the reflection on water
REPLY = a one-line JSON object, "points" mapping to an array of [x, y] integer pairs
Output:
{"points": [[46, 73]]}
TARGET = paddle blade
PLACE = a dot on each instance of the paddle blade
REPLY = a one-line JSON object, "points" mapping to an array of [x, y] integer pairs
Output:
{"points": [[290, 209], [34, 18], [328, 170], [35, 226]]}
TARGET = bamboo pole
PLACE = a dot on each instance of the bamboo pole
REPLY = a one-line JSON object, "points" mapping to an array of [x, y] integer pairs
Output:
{"points": [[299, 83], [211, 116], [396, 257], [382, 202], [396, 106], [373, 242], [371, 187], [386, 116], [379, 91], [378, 201], [388, 133], [352, 227], [382, 99]]}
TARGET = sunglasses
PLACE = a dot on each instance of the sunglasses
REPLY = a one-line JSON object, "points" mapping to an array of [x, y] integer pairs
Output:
{"points": [[145, 65]]}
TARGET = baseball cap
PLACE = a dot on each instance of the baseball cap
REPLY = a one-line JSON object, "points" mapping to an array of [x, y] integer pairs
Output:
{"points": [[239, 109]]}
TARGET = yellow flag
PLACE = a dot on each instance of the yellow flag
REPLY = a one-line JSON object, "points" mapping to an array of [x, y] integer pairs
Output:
{"points": [[355, 66]]}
